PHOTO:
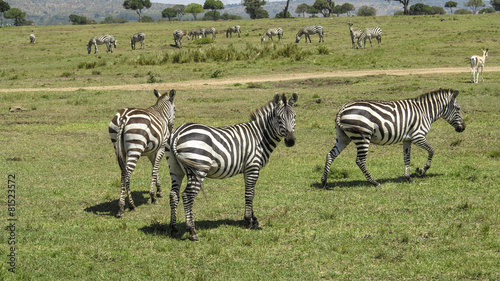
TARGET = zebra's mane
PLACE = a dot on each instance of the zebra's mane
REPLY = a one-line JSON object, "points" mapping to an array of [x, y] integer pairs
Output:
{"points": [[438, 92], [253, 115]]}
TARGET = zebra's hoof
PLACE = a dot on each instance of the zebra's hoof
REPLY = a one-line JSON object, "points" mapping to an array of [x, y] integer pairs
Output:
{"points": [[131, 208], [119, 215], [159, 195]]}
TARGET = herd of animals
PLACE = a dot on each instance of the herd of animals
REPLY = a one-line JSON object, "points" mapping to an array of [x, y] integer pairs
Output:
{"points": [[197, 151]]}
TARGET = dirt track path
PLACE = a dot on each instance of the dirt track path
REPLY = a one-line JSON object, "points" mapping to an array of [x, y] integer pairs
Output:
{"points": [[224, 82]]}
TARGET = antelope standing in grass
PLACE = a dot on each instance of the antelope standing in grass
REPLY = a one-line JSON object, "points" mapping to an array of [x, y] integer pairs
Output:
{"points": [[475, 63]]}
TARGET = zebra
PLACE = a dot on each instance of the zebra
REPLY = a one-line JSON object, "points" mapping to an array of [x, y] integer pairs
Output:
{"points": [[135, 132], [233, 29], [138, 37], [109, 40], [199, 151], [178, 34], [355, 34], [32, 38], [270, 32], [390, 122], [199, 32], [212, 31], [369, 33], [310, 30], [475, 63]]}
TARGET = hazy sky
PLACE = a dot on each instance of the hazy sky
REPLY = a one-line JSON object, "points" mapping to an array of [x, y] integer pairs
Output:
{"points": [[186, 2]]}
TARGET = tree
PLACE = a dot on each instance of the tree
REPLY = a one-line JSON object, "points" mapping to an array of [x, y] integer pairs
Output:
{"points": [[366, 11], [337, 10], [488, 10], [285, 11], [168, 13], [18, 16], [451, 4], [137, 6], [302, 9], [213, 5], [254, 8], [474, 4], [78, 20], [348, 8], [194, 9], [322, 7], [495, 4], [462, 12], [420, 9], [313, 11], [179, 10], [4, 7], [281, 15], [405, 5], [438, 10]]}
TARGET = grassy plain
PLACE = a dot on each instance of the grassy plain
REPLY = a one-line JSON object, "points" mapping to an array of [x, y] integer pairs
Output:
{"points": [[445, 226]]}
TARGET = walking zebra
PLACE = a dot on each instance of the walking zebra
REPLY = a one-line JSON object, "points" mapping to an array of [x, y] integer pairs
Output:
{"points": [[271, 32], [178, 34], [233, 29], [199, 32], [475, 63], [310, 30], [389, 122], [32, 38], [212, 31], [135, 132], [355, 34], [138, 37], [109, 40], [200, 151], [369, 33]]}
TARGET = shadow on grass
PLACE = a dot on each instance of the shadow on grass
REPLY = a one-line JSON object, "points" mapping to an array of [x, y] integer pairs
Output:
{"points": [[111, 208], [349, 184]]}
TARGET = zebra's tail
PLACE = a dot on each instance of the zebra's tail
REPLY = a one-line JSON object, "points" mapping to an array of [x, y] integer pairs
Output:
{"points": [[120, 149]]}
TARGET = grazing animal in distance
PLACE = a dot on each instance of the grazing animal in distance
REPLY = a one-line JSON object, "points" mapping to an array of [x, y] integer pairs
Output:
{"points": [[32, 38], [107, 39], [272, 32], [307, 31], [138, 37], [135, 132], [390, 122], [178, 34], [475, 63], [355, 34], [212, 31], [233, 29], [369, 33]]}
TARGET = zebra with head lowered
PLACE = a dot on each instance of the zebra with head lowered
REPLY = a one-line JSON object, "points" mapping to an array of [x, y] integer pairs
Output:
{"points": [[233, 29], [135, 132], [369, 33], [32, 38], [272, 32], [212, 31], [355, 34], [178, 34], [390, 122], [138, 37], [107, 39], [199, 32], [308, 31], [199, 151]]}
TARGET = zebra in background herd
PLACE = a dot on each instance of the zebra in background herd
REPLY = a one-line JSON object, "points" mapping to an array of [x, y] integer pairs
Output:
{"points": [[369, 33], [212, 31], [272, 32], [107, 39], [199, 32], [390, 122], [475, 63], [198, 151], [310, 30], [178, 34], [32, 38], [135, 132], [355, 34], [138, 37], [233, 29]]}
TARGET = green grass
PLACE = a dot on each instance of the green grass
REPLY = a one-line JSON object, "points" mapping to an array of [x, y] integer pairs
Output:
{"points": [[445, 226]]}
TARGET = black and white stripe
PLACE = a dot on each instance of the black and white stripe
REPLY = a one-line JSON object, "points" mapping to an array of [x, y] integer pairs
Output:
{"points": [[107, 39], [272, 32], [355, 34], [199, 32], [199, 151], [32, 38], [233, 29], [212, 31], [138, 37], [310, 30], [135, 132], [369, 33], [390, 122], [178, 34]]}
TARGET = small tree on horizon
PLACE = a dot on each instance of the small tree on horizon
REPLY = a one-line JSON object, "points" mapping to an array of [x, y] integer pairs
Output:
{"points": [[302, 9], [254, 8], [4, 7], [495, 4], [451, 5], [179, 11], [137, 6], [18, 16], [405, 3], [213, 5], [194, 9], [474, 5]]}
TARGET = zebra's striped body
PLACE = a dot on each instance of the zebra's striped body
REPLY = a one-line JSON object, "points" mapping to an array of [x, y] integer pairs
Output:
{"points": [[272, 32], [138, 37], [178, 34], [355, 34], [135, 132], [475, 63], [233, 29], [107, 39], [307, 31], [369, 33], [198, 151], [212, 31], [32, 38], [199, 32], [390, 122]]}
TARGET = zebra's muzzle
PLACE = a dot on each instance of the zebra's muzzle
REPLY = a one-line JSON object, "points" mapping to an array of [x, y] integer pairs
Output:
{"points": [[460, 128], [289, 139]]}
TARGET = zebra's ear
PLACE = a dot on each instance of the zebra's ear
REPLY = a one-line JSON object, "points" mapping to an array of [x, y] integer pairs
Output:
{"points": [[276, 98], [172, 95], [455, 94], [157, 94], [293, 99]]}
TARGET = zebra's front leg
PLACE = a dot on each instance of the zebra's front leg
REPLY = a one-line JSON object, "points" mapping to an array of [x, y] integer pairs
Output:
{"points": [[250, 180], [155, 183], [425, 145], [407, 153]]}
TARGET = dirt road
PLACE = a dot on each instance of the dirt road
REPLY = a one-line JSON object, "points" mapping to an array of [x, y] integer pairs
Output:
{"points": [[224, 82]]}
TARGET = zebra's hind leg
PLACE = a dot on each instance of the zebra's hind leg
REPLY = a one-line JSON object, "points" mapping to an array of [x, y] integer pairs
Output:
{"points": [[341, 142], [155, 182], [121, 203], [362, 144], [176, 175], [407, 153], [188, 196]]}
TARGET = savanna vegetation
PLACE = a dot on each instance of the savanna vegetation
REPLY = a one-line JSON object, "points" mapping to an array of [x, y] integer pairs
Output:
{"points": [[445, 226]]}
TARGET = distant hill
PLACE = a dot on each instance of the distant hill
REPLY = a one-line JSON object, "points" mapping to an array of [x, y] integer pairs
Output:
{"points": [[55, 12]]}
